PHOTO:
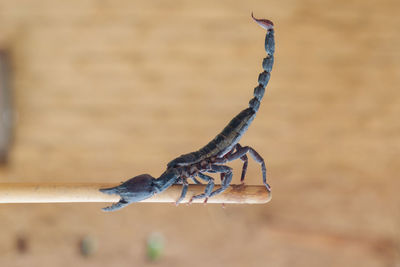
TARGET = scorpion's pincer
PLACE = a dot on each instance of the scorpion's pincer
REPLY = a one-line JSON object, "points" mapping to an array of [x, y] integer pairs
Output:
{"points": [[133, 190]]}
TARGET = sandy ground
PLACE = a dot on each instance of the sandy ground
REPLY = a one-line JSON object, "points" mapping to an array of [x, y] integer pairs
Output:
{"points": [[106, 90]]}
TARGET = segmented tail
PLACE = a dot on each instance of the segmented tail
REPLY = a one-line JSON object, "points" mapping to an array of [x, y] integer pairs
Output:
{"points": [[267, 63], [231, 134]]}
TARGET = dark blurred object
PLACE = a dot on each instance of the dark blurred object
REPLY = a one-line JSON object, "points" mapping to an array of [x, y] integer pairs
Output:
{"points": [[87, 246], [5, 106], [22, 244]]}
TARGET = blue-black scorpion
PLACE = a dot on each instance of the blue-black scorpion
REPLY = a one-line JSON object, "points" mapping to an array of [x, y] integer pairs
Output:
{"points": [[212, 157]]}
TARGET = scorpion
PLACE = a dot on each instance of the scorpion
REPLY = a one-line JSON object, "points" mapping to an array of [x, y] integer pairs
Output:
{"points": [[212, 157]]}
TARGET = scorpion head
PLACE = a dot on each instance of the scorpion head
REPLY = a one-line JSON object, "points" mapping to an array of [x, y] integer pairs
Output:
{"points": [[133, 190]]}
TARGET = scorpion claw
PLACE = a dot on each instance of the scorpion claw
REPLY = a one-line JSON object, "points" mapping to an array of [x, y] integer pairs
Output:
{"points": [[116, 206], [133, 190]]}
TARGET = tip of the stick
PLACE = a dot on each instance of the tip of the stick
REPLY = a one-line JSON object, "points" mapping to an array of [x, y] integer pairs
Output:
{"points": [[248, 194], [268, 198]]}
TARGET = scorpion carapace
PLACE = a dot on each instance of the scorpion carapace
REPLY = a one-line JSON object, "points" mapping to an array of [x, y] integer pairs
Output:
{"points": [[211, 158]]}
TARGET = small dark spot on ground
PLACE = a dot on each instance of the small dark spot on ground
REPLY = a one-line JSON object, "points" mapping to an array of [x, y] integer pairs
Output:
{"points": [[21, 244]]}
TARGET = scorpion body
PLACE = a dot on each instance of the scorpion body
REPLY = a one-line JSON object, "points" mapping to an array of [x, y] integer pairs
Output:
{"points": [[211, 158]]}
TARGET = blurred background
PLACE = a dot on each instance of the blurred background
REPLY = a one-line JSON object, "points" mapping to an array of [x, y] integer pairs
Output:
{"points": [[106, 90]]}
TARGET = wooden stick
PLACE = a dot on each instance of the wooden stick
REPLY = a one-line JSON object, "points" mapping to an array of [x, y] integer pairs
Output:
{"points": [[89, 192], [6, 122]]}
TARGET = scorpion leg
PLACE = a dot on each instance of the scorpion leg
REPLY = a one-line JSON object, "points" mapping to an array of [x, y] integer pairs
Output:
{"points": [[226, 173], [244, 169], [180, 181], [208, 189], [185, 185], [242, 151], [195, 180], [245, 163], [232, 156]]}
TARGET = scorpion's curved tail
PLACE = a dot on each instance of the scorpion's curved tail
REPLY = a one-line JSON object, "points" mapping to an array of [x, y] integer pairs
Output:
{"points": [[231, 134], [267, 63]]}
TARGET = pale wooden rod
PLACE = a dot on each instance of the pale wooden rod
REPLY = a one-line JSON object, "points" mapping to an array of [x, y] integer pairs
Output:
{"points": [[89, 192]]}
